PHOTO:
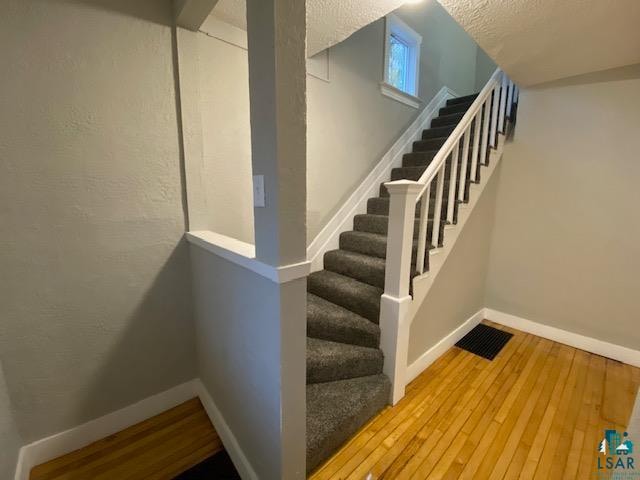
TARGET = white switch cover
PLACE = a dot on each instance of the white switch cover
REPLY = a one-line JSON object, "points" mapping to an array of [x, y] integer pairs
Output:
{"points": [[258, 190]]}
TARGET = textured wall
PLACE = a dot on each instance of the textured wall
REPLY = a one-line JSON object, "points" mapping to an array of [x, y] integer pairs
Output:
{"points": [[10, 439], [328, 21], [458, 291], [95, 290], [566, 244], [545, 40], [350, 123]]}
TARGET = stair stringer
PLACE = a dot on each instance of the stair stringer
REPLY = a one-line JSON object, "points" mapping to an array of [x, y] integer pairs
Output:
{"points": [[422, 284]]}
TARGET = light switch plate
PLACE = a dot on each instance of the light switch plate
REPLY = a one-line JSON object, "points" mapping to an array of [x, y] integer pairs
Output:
{"points": [[258, 191]]}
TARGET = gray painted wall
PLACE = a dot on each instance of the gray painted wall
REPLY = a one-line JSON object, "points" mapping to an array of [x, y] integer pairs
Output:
{"points": [[10, 439], [350, 123], [566, 250], [95, 294], [458, 291], [485, 67]]}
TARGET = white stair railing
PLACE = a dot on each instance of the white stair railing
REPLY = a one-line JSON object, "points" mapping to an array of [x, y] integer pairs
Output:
{"points": [[488, 113]]}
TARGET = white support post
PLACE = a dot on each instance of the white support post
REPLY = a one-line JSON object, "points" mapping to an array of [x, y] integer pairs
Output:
{"points": [[463, 169], [476, 144], [394, 304], [453, 178], [484, 146], [503, 104], [495, 106]]}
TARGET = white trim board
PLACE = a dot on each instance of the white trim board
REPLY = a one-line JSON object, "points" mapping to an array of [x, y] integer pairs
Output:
{"points": [[435, 352], [243, 254], [61, 443], [65, 442], [588, 344], [342, 221], [240, 461]]}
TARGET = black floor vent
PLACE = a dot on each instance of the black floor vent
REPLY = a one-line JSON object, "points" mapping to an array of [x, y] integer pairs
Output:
{"points": [[484, 341]]}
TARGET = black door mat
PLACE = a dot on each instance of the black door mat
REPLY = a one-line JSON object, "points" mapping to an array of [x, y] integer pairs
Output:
{"points": [[216, 467], [484, 341]]}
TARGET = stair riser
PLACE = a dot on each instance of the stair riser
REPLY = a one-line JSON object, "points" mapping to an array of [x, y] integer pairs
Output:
{"points": [[436, 132], [318, 372], [454, 109], [447, 120], [463, 99]]}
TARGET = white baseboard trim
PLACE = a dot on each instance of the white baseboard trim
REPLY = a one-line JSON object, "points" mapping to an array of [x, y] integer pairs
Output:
{"points": [[588, 344], [240, 461], [328, 238], [61, 443], [435, 352], [65, 442]]}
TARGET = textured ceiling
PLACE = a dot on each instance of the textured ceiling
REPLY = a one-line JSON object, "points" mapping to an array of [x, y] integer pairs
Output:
{"points": [[329, 21], [537, 41]]}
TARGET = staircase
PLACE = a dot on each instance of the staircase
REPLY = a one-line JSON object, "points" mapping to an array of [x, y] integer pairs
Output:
{"points": [[345, 383]]}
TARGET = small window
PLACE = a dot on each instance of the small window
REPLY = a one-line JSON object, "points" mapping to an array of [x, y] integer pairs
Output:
{"points": [[402, 58]]}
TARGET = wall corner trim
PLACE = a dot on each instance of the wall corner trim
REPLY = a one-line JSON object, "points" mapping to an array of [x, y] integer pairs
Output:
{"points": [[328, 238], [80, 436], [592, 345], [229, 440], [243, 254], [435, 352]]}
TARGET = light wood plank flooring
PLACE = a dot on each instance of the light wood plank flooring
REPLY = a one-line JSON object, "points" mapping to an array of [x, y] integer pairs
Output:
{"points": [[537, 411], [158, 448]]}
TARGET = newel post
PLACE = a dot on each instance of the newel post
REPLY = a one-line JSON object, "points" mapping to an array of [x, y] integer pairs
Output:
{"points": [[395, 302]]}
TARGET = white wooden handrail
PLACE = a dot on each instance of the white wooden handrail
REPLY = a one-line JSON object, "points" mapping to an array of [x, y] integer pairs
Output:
{"points": [[485, 119]]}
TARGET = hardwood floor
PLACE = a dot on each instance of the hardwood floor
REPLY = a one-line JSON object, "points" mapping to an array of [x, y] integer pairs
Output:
{"points": [[537, 411], [158, 448]]}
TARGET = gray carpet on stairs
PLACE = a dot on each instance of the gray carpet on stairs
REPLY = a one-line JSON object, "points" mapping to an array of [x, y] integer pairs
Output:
{"points": [[345, 384]]}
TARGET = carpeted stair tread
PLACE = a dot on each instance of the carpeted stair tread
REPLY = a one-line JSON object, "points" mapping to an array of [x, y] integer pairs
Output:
{"points": [[373, 244], [452, 119], [458, 108], [430, 144], [415, 159], [365, 268], [437, 132], [330, 361], [359, 297], [328, 321], [367, 222], [336, 410], [464, 99]]}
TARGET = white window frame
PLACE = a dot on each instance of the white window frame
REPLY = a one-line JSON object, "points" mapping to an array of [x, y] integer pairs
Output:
{"points": [[395, 26]]}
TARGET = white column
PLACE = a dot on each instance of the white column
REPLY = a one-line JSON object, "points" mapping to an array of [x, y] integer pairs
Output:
{"points": [[276, 33], [394, 304]]}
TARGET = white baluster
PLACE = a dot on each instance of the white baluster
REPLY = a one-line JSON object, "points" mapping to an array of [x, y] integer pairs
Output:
{"points": [[503, 104], [485, 132], [453, 177], [435, 231], [463, 168], [476, 143], [422, 230]]}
